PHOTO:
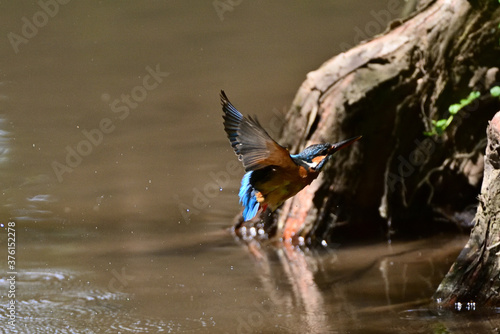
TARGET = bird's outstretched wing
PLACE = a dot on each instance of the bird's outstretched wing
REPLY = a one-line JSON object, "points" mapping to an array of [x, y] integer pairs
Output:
{"points": [[253, 145]]}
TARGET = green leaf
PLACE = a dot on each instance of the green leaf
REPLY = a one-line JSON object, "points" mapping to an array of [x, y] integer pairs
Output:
{"points": [[440, 126], [454, 108], [441, 123], [473, 95], [495, 91]]}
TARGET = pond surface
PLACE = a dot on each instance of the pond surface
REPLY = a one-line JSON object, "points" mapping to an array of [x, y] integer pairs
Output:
{"points": [[119, 183]]}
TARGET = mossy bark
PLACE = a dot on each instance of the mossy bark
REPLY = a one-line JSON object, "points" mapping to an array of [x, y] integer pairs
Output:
{"points": [[388, 89]]}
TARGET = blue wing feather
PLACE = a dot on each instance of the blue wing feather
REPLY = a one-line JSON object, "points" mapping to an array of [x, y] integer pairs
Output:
{"points": [[247, 198]]}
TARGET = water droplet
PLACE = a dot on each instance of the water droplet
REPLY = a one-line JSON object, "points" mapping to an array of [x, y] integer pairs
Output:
{"points": [[301, 241], [220, 188], [187, 210], [324, 243]]}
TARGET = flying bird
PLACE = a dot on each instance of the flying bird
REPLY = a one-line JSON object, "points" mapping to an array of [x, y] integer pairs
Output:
{"points": [[272, 174]]}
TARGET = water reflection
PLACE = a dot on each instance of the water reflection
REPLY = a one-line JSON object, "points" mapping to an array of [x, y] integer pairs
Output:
{"points": [[300, 273], [23, 197], [448, 321], [335, 289], [4, 142], [299, 293], [151, 282], [37, 207]]}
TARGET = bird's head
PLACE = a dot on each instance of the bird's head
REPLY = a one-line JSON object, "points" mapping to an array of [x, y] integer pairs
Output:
{"points": [[314, 157]]}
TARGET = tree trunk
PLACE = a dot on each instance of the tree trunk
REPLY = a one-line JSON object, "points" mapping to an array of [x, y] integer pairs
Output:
{"points": [[389, 90], [472, 281]]}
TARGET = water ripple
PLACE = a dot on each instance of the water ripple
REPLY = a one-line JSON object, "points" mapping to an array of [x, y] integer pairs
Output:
{"points": [[62, 302]]}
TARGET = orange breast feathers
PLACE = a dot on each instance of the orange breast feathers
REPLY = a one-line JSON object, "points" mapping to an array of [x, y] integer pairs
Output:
{"points": [[279, 184]]}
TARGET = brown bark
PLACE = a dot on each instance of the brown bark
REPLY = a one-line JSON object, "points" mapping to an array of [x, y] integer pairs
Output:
{"points": [[389, 89], [474, 277]]}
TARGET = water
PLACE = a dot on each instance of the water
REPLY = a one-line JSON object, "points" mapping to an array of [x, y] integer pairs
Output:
{"points": [[120, 183]]}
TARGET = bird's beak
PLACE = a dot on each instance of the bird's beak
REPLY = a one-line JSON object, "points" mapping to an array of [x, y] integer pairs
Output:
{"points": [[338, 146]]}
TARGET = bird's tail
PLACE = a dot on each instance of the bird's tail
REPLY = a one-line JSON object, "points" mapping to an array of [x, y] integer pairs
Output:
{"points": [[247, 198]]}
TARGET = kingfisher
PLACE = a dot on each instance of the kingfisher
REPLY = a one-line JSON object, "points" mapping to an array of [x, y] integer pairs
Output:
{"points": [[273, 175]]}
